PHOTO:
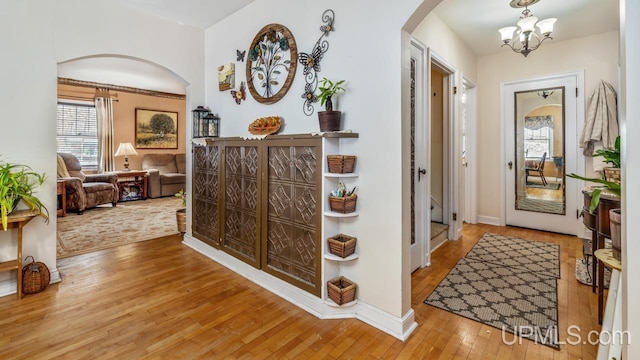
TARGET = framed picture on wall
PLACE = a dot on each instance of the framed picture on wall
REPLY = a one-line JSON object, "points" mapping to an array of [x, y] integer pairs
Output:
{"points": [[156, 129]]}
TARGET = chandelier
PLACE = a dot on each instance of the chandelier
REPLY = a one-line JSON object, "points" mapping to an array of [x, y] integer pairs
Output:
{"points": [[526, 39]]}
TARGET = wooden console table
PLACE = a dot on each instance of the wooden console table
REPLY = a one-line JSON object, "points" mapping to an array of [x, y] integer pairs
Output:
{"points": [[18, 219]]}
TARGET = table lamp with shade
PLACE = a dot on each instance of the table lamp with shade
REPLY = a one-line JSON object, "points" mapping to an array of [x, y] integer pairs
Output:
{"points": [[125, 149]]}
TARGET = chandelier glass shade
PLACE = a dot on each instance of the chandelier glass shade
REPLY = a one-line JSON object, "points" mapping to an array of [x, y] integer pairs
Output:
{"points": [[523, 38]]}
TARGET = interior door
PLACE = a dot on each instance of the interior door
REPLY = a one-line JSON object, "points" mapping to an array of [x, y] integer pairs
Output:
{"points": [[540, 118], [420, 216]]}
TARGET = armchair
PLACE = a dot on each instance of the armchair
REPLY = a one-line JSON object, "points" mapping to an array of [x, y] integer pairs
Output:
{"points": [[85, 191]]}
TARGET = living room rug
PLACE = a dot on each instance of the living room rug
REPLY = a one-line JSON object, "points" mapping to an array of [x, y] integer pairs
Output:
{"points": [[106, 226], [494, 286], [549, 186]]}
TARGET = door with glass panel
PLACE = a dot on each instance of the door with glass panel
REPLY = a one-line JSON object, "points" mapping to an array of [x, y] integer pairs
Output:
{"points": [[540, 119]]}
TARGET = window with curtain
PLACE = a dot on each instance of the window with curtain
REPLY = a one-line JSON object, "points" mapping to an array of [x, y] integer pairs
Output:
{"points": [[77, 132], [538, 142], [538, 136]]}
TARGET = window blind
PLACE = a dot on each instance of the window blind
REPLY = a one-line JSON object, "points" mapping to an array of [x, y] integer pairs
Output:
{"points": [[77, 132]]}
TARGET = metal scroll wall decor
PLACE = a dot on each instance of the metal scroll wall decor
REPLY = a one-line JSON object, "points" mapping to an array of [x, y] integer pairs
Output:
{"points": [[311, 63]]}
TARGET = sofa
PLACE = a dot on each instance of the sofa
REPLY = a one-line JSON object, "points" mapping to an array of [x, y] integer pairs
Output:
{"points": [[84, 191], [167, 174]]}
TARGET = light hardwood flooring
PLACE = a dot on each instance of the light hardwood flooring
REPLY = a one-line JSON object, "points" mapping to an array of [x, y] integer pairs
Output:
{"points": [[159, 299]]}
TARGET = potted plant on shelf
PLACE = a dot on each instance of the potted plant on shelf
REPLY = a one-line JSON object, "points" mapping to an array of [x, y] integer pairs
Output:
{"points": [[611, 156], [329, 119], [611, 183], [181, 214], [18, 182]]}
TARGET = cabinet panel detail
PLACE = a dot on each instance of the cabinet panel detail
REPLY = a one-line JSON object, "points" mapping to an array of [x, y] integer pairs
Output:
{"points": [[241, 202], [206, 184], [292, 245]]}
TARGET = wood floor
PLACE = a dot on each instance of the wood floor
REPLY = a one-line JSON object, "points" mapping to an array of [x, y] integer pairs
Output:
{"points": [[161, 300]]}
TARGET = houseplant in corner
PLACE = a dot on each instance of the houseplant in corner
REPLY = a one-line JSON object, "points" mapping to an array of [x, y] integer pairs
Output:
{"points": [[611, 184], [181, 214], [18, 182], [329, 119]]}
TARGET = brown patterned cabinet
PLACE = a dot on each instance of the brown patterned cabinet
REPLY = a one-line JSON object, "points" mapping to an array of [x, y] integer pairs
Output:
{"points": [[263, 202], [259, 201]]}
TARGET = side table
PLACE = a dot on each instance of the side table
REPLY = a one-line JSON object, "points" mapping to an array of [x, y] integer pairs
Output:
{"points": [[612, 322], [62, 198], [17, 220], [132, 185]]}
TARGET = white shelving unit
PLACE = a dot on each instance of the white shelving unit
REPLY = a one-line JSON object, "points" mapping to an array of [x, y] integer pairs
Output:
{"points": [[334, 266]]}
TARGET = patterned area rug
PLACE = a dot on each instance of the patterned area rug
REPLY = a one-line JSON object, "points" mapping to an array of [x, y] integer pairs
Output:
{"points": [[507, 283], [533, 256], [106, 226]]}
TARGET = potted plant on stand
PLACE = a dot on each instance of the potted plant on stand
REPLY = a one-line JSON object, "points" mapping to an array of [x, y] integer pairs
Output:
{"points": [[329, 119], [611, 185], [181, 214], [18, 182]]}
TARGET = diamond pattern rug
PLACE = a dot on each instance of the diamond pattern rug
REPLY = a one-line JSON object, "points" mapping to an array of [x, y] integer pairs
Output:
{"points": [[499, 284], [105, 226]]}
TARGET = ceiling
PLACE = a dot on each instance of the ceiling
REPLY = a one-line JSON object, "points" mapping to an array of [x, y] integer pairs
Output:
{"points": [[198, 13], [576, 18]]}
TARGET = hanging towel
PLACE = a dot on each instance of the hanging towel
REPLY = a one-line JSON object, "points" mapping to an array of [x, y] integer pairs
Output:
{"points": [[601, 127]]}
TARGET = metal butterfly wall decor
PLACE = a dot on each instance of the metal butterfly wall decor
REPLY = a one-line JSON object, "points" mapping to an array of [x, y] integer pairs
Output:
{"points": [[240, 55], [240, 94], [311, 62]]}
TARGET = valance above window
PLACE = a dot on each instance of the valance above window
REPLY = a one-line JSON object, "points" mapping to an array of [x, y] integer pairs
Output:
{"points": [[538, 122]]}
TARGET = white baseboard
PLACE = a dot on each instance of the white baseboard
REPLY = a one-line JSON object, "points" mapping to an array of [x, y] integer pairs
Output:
{"points": [[489, 220], [8, 287], [399, 328]]}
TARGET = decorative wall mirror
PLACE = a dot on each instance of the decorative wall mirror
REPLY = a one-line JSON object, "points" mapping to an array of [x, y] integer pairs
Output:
{"points": [[540, 151], [271, 65]]}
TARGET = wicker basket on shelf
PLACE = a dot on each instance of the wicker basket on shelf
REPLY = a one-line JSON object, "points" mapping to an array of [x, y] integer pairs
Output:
{"points": [[341, 290], [341, 164], [342, 245], [343, 205]]}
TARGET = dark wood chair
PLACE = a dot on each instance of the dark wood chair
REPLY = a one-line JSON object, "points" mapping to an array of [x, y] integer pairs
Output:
{"points": [[537, 168]]}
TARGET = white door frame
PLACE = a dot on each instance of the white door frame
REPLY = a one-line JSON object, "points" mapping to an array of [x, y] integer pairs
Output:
{"points": [[580, 159], [421, 250], [471, 166], [451, 149]]}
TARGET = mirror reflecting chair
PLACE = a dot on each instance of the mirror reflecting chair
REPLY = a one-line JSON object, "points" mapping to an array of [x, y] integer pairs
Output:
{"points": [[536, 168]]}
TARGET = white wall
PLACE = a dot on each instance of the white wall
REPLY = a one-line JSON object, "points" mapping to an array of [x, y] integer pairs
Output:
{"points": [[630, 131], [37, 35], [369, 60], [596, 55], [435, 34]]}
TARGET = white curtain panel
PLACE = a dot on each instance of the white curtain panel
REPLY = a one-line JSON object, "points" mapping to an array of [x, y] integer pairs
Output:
{"points": [[104, 114]]}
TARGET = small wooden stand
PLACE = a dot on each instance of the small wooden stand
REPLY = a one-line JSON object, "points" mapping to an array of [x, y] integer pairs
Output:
{"points": [[18, 219]]}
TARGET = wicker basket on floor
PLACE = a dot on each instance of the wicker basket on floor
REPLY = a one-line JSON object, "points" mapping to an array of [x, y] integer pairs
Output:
{"points": [[342, 245], [341, 164], [341, 290], [343, 205], [35, 276]]}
